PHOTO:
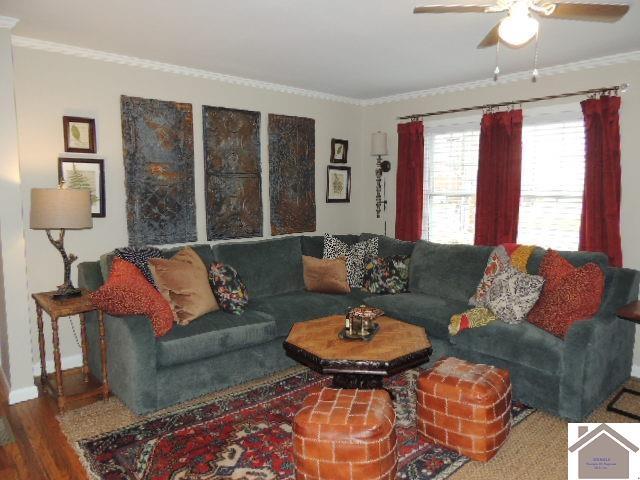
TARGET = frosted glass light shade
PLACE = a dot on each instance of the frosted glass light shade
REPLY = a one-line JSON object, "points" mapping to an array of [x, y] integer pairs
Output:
{"points": [[54, 208], [379, 144], [516, 30]]}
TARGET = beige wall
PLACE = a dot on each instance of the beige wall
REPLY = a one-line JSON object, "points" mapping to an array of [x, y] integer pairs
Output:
{"points": [[384, 117], [50, 85]]}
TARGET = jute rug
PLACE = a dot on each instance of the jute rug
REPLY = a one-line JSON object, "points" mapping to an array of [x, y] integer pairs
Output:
{"points": [[536, 448]]}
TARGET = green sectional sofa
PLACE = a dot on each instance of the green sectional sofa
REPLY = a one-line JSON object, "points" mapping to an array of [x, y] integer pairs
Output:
{"points": [[567, 378]]}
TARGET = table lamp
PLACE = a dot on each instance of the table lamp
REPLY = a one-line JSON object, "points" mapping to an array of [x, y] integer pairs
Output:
{"points": [[379, 149], [61, 209]]}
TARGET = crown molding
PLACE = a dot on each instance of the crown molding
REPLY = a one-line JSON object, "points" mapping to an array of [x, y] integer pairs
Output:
{"points": [[8, 22], [598, 62], [54, 47], [72, 50]]}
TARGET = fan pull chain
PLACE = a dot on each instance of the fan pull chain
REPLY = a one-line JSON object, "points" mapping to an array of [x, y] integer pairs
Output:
{"points": [[535, 73], [496, 72]]}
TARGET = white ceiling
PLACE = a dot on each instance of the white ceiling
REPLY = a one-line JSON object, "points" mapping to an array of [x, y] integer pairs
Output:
{"points": [[355, 48]]}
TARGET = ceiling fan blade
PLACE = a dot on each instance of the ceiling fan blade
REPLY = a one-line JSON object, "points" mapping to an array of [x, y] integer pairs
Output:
{"points": [[590, 12], [491, 39], [452, 9]]}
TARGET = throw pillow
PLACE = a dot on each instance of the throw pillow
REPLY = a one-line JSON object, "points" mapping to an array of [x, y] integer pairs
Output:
{"points": [[513, 294], [228, 288], [325, 275], [386, 274], [570, 294], [140, 257], [476, 317], [127, 292], [506, 254], [334, 248], [183, 281]]}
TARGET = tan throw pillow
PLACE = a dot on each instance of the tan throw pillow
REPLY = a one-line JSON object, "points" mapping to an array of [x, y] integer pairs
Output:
{"points": [[184, 282], [325, 275]]}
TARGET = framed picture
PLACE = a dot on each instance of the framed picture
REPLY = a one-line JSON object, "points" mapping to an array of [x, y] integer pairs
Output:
{"points": [[339, 150], [338, 184], [85, 173], [79, 134]]}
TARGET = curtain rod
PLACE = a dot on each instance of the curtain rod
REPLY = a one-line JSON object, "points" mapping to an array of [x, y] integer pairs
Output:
{"points": [[616, 88]]}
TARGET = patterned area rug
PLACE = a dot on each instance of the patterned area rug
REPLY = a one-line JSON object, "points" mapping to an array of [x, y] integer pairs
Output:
{"points": [[248, 436]]}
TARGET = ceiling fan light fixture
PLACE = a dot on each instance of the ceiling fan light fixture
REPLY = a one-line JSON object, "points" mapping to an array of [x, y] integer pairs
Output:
{"points": [[516, 30]]}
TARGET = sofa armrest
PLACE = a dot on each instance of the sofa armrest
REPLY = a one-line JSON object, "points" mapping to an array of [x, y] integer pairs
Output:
{"points": [[131, 359], [89, 275]]}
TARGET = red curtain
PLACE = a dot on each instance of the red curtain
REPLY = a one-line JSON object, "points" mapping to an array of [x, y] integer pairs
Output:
{"points": [[600, 227], [409, 181], [499, 172]]}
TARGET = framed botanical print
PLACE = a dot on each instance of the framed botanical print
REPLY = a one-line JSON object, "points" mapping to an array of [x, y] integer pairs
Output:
{"points": [[79, 134], [85, 173], [338, 184], [339, 150]]}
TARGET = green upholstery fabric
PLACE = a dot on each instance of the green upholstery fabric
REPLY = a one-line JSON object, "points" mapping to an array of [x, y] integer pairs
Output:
{"points": [[89, 275], [289, 308], [190, 380], [313, 245], [267, 267], [202, 249], [447, 271], [525, 344], [577, 259], [388, 246], [213, 334], [431, 312]]}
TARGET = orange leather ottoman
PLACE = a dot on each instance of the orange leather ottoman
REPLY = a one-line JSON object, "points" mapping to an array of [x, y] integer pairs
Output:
{"points": [[465, 407], [345, 435]]}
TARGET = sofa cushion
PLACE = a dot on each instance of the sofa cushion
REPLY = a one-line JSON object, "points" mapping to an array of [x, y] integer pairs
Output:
{"points": [[388, 246], [313, 245], [429, 311], [293, 307], [267, 267], [524, 344], [577, 259], [213, 334], [448, 271]]}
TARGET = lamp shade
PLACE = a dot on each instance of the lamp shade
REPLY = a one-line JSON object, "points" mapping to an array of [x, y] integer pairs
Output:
{"points": [[379, 144], [54, 208]]}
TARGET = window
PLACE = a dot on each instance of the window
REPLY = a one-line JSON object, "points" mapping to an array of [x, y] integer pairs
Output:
{"points": [[451, 169], [552, 180]]}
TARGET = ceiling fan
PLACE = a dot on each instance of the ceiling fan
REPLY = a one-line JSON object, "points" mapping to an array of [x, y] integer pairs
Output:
{"points": [[520, 27]]}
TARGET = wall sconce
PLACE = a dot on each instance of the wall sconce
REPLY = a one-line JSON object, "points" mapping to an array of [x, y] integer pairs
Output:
{"points": [[379, 149]]}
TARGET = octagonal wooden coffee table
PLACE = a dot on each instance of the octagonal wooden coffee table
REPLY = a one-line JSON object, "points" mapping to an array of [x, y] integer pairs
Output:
{"points": [[396, 347]]}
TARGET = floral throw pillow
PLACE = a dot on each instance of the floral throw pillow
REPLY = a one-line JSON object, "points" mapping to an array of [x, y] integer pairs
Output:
{"points": [[513, 294], [355, 255], [228, 288], [140, 257], [386, 274], [476, 317]]}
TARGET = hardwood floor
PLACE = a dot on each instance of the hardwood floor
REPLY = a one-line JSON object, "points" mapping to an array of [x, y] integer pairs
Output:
{"points": [[40, 450]]}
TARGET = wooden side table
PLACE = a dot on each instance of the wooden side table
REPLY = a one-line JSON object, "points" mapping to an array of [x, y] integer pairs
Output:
{"points": [[63, 308], [629, 312]]}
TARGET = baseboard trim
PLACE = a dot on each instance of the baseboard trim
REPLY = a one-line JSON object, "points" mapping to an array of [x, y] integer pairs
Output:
{"points": [[72, 361], [635, 371], [23, 394]]}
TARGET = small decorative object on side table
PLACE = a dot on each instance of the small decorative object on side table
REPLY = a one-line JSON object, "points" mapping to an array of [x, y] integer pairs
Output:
{"points": [[629, 312], [78, 305], [359, 323]]}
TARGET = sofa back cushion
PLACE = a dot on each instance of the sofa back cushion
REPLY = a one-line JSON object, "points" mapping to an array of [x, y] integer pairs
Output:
{"points": [[313, 245], [267, 267], [577, 259], [388, 246], [447, 271]]}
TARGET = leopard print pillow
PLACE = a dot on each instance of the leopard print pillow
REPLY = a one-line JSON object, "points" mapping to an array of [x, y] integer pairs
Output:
{"points": [[355, 255]]}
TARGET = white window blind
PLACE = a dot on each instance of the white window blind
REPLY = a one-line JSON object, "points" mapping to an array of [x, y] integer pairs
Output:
{"points": [[451, 168], [552, 181]]}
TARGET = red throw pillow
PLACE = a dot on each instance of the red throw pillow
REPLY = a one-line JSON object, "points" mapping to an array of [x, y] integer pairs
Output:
{"points": [[569, 294], [127, 292]]}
